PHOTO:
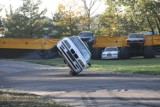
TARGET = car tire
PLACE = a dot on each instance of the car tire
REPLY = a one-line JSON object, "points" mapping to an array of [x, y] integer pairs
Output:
{"points": [[124, 53], [73, 73], [149, 52], [96, 53], [43, 53]]}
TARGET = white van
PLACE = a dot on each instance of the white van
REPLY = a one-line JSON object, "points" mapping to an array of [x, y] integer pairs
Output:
{"points": [[75, 53]]}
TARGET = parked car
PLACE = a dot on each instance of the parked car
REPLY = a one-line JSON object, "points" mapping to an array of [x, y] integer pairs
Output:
{"points": [[135, 39], [75, 53], [110, 53], [87, 37]]}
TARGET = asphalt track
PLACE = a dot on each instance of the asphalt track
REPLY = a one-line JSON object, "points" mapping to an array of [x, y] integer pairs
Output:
{"points": [[88, 89]]}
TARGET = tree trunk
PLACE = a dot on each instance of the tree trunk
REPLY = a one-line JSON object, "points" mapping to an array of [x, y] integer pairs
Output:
{"points": [[150, 25], [157, 23], [70, 25], [158, 19], [89, 21]]}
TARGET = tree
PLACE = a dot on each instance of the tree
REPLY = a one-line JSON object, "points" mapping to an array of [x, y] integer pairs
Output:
{"points": [[125, 16], [26, 21], [151, 9], [1, 25], [66, 19], [112, 20], [142, 13], [89, 11]]}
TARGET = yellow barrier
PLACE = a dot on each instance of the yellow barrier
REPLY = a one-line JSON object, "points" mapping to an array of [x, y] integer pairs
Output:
{"points": [[108, 41], [152, 40], [120, 41], [17, 43], [47, 43]]}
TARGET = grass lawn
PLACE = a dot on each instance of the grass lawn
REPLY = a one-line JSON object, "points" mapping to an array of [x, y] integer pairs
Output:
{"points": [[133, 65], [139, 65], [12, 98]]}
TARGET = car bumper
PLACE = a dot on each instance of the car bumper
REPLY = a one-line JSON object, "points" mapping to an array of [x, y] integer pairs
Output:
{"points": [[110, 57]]}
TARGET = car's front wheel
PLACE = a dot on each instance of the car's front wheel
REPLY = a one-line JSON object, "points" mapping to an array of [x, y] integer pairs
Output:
{"points": [[149, 52], [73, 73]]}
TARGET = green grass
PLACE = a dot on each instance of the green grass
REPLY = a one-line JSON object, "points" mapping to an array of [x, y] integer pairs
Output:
{"points": [[139, 65], [133, 65], [12, 98]]}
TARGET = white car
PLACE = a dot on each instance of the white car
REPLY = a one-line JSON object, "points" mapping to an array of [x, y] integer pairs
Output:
{"points": [[75, 53], [110, 53]]}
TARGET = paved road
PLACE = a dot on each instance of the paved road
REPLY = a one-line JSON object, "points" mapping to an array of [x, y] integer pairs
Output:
{"points": [[88, 89]]}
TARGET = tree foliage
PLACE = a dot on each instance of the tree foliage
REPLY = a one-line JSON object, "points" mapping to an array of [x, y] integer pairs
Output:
{"points": [[119, 18], [1, 25], [125, 16], [150, 9], [66, 19], [26, 21]]}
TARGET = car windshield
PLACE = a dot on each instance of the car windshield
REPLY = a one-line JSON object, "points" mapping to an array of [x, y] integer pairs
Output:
{"points": [[86, 34], [136, 36], [81, 47], [110, 49]]}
